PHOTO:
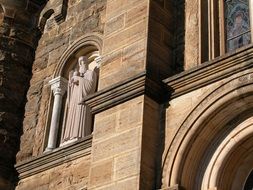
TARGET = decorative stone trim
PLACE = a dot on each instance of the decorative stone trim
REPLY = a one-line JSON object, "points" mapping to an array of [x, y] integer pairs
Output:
{"points": [[126, 90], [55, 158], [92, 39], [59, 87], [59, 8], [210, 72]]}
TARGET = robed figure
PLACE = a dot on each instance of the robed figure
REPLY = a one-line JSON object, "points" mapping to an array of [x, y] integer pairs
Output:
{"points": [[79, 119]]}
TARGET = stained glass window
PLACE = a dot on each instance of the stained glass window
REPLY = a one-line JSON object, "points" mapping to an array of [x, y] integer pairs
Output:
{"points": [[237, 23]]}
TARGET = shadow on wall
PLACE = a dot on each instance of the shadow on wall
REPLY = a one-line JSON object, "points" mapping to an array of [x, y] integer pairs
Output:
{"points": [[179, 36], [1, 14]]}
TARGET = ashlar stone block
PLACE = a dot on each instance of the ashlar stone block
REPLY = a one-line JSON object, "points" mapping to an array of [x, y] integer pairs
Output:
{"points": [[101, 173]]}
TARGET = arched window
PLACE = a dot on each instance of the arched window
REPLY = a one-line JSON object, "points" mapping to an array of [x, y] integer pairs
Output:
{"points": [[69, 118]]}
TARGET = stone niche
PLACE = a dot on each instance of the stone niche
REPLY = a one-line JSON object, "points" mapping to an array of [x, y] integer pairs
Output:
{"points": [[63, 105]]}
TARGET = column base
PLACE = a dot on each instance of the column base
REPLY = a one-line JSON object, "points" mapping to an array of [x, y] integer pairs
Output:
{"points": [[48, 150]]}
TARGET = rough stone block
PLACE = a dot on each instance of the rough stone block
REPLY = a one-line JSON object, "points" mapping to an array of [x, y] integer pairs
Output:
{"points": [[114, 24], [105, 126], [137, 14], [127, 184], [115, 7], [101, 173], [128, 164], [111, 64], [116, 145], [130, 117], [125, 37]]}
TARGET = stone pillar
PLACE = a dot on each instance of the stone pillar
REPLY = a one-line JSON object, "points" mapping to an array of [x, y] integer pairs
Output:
{"points": [[59, 87], [18, 41]]}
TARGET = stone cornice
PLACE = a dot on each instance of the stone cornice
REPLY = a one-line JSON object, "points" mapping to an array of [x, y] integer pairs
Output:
{"points": [[209, 72], [55, 158], [126, 90]]}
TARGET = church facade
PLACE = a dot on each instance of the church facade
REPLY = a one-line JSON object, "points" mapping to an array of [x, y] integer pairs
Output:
{"points": [[126, 94]]}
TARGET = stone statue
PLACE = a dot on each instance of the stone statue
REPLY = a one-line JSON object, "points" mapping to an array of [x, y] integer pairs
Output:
{"points": [[81, 84]]}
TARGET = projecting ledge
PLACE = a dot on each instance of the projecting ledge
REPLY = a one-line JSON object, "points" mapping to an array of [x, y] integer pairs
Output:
{"points": [[138, 85], [55, 158], [211, 71]]}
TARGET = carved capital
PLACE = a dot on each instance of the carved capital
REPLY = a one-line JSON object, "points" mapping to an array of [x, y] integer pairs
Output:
{"points": [[59, 85]]}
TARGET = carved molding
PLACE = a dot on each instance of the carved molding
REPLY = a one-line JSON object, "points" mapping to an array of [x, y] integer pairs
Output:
{"points": [[59, 85], [55, 158], [90, 39], [126, 90], [56, 8], [209, 72]]}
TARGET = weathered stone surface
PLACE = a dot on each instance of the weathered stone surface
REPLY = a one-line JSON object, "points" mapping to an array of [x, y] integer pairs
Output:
{"points": [[101, 173], [151, 39], [125, 37], [116, 145], [18, 40], [191, 34], [129, 184], [114, 24], [70, 175], [127, 164], [54, 41]]}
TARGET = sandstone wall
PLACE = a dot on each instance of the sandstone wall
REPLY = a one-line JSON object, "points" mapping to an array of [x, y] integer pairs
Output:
{"points": [[68, 176], [124, 146], [161, 39], [192, 38], [54, 41], [116, 150], [125, 46], [138, 37]]}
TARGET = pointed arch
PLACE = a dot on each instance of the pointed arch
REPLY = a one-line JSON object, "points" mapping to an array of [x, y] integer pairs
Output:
{"points": [[88, 42]]}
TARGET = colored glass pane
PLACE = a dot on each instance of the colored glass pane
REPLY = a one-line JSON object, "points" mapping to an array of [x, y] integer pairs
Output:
{"points": [[237, 23]]}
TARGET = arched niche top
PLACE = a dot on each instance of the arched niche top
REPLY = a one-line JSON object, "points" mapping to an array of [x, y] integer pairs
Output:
{"points": [[89, 45]]}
